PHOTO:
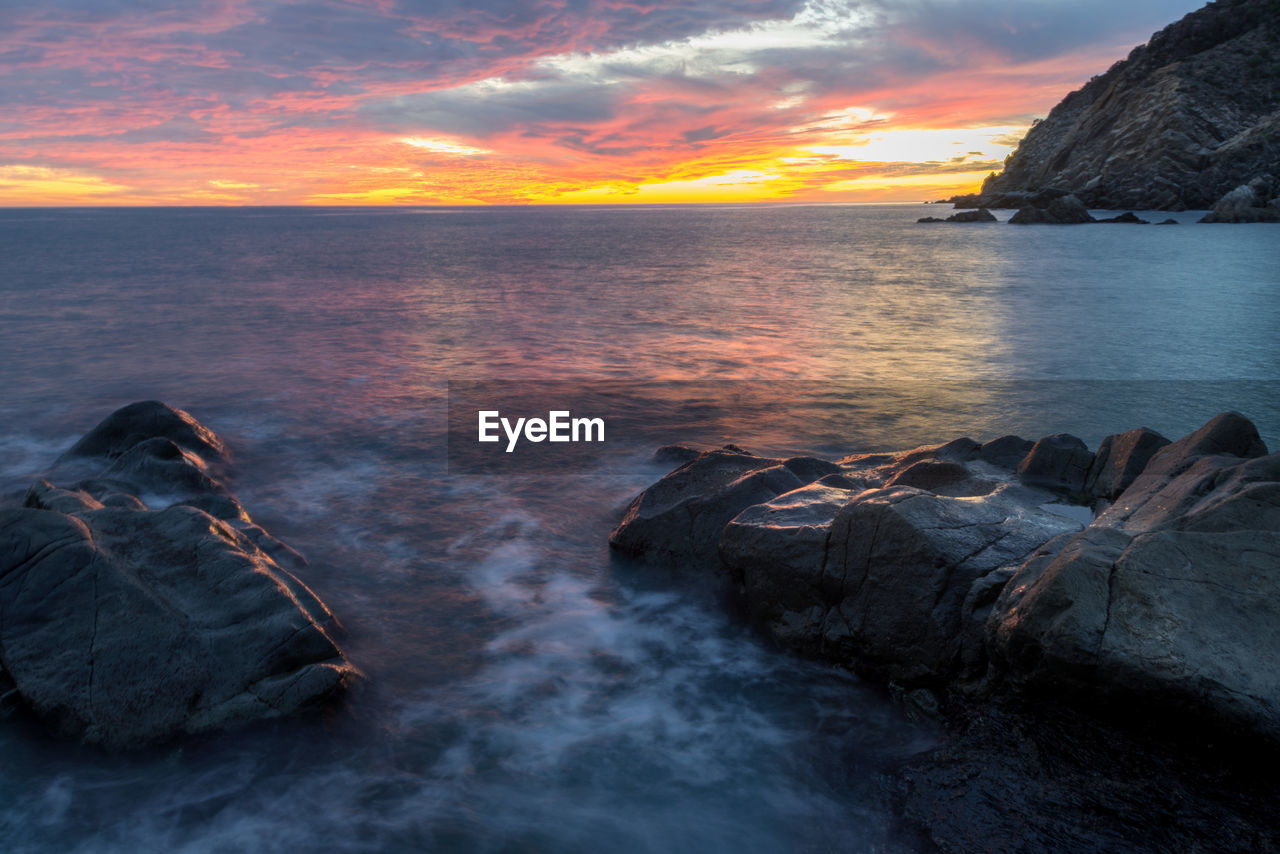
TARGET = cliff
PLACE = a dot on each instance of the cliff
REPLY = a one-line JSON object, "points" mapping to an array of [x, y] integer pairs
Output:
{"points": [[1184, 120]]}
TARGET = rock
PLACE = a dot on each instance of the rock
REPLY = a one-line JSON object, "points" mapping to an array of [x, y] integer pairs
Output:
{"points": [[1128, 217], [1060, 461], [1170, 599], [1167, 222], [1119, 461], [1182, 121], [149, 419], [674, 454], [124, 626], [1244, 204], [931, 475], [1006, 452], [1062, 210], [878, 580], [980, 215], [678, 519]]}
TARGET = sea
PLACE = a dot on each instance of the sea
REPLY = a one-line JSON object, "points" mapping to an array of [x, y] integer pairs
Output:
{"points": [[526, 690]]}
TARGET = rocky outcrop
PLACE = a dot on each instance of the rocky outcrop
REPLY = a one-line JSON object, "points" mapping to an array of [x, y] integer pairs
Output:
{"points": [[1051, 208], [678, 520], [978, 568], [886, 563], [1248, 203], [1170, 596], [142, 602], [1181, 122], [980, 215], [1129, 218]]}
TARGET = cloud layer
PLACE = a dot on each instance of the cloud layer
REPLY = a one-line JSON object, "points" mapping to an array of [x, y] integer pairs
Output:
{"points": [[442, 101]]}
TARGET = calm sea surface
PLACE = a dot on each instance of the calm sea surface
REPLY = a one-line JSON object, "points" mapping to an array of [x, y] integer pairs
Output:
{"points": [[526, 691]]}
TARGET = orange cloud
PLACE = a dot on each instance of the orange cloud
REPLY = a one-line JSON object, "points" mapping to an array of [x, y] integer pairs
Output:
{"points": [[506, 101]]}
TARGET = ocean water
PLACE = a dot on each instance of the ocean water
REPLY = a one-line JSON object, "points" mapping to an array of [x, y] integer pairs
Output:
{"points": [[526, 690]]}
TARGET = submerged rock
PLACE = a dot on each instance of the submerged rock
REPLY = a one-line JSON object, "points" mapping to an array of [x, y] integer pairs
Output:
{"points": [[127, 619]]}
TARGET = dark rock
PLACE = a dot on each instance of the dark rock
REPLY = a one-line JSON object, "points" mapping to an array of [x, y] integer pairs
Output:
{"points": [[1169, 597], [1175, 126], [1245, 203], [674, 454], [126, 628], [1063, 210], [149, 419], [1119, 461], [959, 450], [878, 580], [1060, 461], [1006, 452], [931, 475], [1129, 217], [931, 219], [1167, 222], [1032, 780], [678, 520], [980, 215], [809, 469]]}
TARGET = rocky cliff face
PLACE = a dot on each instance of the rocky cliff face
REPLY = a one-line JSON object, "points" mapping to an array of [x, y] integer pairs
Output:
{"points": [[1184, 120]]}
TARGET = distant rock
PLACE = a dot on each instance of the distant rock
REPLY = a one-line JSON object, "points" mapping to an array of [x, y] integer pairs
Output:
{"points": [[1052, 209], [1169, 221], [1247, 203], [1128, 217], [980, 215], [1181, 122], [129, 614]]}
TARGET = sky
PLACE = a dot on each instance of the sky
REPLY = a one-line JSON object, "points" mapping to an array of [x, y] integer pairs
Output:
{"points": [[409, 102]]}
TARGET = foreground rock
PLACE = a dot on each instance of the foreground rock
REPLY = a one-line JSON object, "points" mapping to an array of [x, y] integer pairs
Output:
{"points": [[1112, 682], [980, 568], [1171, 596], [142, 602], [1182, 121]]}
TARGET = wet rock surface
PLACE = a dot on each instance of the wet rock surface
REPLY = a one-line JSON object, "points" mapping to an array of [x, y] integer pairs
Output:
{"points": [[142, 602]]}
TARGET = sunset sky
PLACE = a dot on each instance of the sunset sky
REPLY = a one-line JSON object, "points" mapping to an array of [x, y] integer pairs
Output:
{"points": [[270, 102]]}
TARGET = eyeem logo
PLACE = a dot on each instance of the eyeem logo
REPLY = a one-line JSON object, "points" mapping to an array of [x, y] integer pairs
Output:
{"points": [[559, 426]]}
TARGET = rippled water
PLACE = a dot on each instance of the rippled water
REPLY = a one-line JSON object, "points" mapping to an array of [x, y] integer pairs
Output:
{"points": [[527, 691]]}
